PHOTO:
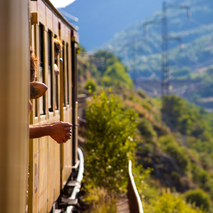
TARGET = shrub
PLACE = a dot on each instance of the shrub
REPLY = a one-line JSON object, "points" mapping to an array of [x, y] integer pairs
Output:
{"points": [[100, 200], [146, 130], [110, 142], [179, 155], [168, 203], [142, 93], [90, 85], [170, 146], [201, 177], [200, 198], [167, 139]]}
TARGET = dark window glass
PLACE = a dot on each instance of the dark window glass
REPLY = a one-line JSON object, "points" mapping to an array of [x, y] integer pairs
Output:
{"points": [[50, 77], [68, 83], [41, 66]]}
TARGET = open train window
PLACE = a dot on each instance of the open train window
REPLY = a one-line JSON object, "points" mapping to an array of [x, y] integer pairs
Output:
{"points": [[68, 83], [41, 66], [50, 75], [56, 84], [64, 77]]}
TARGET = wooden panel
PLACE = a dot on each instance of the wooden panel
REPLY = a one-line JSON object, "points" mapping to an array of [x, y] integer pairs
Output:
{"points": [[57, 171], [35, 175], [63, 33], [49, 19], [68, 34], [33, 6], [41, 11], [67, 151], [43, 180], [51, 169], [55, 25]]}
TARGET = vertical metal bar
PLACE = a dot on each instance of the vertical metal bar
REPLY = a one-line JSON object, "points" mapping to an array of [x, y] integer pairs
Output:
{"points": [[165, 80]]}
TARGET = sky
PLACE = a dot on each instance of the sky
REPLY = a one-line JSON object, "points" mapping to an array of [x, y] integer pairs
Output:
{"points": [[61, 3]]}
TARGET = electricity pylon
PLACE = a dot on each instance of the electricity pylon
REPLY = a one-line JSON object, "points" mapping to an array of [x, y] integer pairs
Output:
{"points": [[165, 74], [165, 37]]}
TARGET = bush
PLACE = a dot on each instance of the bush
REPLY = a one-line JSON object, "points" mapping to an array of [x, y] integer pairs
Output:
{"points": [[168, 203], [170, 146], [179, 155], [200, 198], [91, 86], [146, 130], [142, 93], [110, 144], [100, 200], [201, 177]]}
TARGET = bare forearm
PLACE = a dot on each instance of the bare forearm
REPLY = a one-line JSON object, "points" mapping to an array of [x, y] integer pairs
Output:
{"points": [[59, 131], [40, 131]]}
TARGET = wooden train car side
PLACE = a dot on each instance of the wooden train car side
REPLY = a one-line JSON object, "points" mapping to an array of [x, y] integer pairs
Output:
{"points": [[14, 108], [50, 163]]}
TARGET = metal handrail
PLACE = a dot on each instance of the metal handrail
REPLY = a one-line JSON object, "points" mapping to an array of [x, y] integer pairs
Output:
{"points": [[79, 179], [135, 204]]}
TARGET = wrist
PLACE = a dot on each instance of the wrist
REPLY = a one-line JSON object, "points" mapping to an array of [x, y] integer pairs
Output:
{"points": [[50, 129]]}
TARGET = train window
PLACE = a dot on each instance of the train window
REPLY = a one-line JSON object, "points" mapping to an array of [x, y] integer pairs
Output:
{"points": [[68, 83], [64, 77], [56, 84], [41, 66], [50, 75]]}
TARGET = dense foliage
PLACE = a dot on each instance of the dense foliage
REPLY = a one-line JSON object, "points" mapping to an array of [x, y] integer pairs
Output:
{"points": [[199, 198], [167, 203], [113, 72], [174, 138], [110, 142]]}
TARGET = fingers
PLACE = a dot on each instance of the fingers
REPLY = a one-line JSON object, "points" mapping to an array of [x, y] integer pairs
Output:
{"points": [[67, 124], [67, 129], [68, 134]]}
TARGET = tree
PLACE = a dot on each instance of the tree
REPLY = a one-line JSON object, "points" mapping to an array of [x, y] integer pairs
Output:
{"points": [[110, 142]]}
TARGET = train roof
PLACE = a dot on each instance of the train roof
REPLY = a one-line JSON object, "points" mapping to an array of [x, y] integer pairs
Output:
{"points": [[50, 5]]}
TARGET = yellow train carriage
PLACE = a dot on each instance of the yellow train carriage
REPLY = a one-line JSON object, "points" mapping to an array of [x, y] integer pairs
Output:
{"points": [[50, 163]]}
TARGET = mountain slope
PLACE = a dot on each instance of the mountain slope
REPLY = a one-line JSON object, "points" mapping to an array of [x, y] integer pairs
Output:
{"points": [[195, 33], [100, 20]]}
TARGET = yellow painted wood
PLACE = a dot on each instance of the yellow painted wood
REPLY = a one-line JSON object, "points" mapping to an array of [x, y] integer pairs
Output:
{"points": [[34, 18], [67, 150], [42, 174], [49, 19], [35, 183], [41, 12], [51, 172], [14, 60], [53, 161]]}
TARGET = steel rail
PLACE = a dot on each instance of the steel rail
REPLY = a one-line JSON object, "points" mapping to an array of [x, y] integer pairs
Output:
{"points": [[135, 204]]}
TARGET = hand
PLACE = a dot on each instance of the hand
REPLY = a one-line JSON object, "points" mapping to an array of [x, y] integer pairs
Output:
{"points": [[61, 131], [56, 69]]}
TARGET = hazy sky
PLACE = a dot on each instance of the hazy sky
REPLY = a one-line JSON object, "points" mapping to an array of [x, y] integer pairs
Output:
{"points": [[61, 3]]}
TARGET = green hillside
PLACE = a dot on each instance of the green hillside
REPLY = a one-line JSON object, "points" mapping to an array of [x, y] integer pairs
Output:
{"points": [[195, 32], [141, 52], [174, 140]]}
